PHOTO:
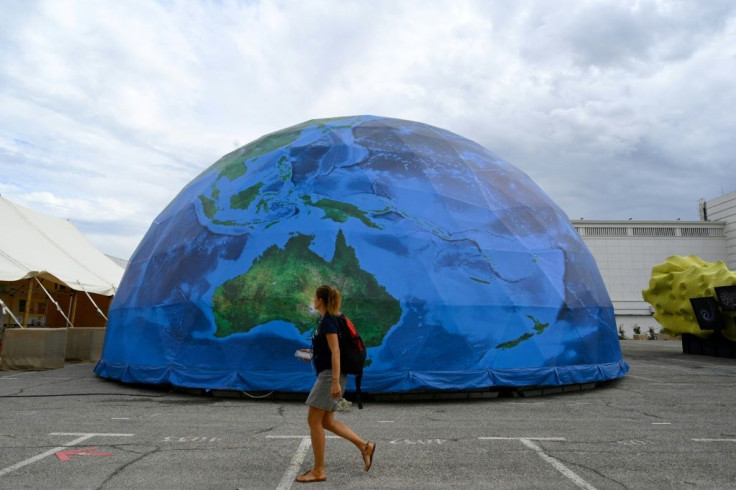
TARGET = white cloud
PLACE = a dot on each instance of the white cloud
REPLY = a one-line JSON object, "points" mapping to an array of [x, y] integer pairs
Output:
{"points": [[110, 108]]}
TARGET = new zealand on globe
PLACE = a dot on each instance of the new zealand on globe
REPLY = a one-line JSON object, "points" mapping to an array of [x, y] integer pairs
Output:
{"points": [[458, 270]]}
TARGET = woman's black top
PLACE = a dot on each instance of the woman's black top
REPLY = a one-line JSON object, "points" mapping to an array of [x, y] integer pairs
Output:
{"points": [[321, 353]]}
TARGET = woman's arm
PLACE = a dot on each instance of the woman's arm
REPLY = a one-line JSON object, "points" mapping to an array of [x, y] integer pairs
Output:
{"points": [[334, 345]]}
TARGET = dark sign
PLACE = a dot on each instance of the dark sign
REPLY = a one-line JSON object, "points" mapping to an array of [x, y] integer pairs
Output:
{"points": [[707, 313], [727, 297]]}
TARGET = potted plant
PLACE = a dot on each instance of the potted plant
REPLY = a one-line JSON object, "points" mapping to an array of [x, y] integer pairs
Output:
{"points": [[637, 333], [621, 333]]}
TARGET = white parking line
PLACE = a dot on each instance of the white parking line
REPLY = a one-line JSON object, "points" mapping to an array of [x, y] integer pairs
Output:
{"points": [[296, 461], [18, 375], [527, 441], [55, 450], [298, 437], [82, 437], [288, 479], [91, 434], [714, 440], [520, 438]]}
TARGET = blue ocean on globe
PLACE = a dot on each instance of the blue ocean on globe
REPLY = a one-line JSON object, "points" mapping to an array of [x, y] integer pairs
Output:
{"points": [[458, 270]]}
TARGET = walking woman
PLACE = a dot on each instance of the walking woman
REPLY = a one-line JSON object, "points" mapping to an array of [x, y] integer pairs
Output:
{"points": [[328, 388]]}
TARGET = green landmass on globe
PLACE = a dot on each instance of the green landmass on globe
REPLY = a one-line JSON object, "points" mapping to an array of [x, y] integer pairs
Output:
{"points": [[539, 328], [243, 200], [233, 165], [339, 211], [281, 282]]}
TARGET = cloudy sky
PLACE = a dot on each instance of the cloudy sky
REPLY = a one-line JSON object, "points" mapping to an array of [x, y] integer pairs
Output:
{"points": [[616, 108]]}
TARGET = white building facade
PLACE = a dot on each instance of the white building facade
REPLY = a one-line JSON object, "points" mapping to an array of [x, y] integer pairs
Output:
{"points": [[626, 251], [723, 209]]}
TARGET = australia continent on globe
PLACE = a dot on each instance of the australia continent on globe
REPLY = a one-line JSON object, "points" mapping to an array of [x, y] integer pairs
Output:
{"points": [[280, 285]]}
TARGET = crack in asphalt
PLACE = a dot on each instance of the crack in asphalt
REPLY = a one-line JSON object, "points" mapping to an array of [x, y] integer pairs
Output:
{"points": [[193, 401], [18, 395], [126, 465], [22, 393], [592, 470], [39, 385], [269, 429]]}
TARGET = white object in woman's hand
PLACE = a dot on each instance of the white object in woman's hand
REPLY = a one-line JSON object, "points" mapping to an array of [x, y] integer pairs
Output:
{"points": [[304, 354]]}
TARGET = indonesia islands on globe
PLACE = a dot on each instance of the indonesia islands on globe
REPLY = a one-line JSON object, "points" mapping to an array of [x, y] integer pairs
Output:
{"points": [[458, 270]]}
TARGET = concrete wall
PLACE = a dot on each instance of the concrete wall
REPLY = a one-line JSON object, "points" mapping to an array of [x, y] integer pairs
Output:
{"points": [[84, 344], [48, 348], [33, 348]]}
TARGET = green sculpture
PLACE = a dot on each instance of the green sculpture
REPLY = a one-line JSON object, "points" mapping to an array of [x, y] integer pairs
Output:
{"points": [[677, 280]]}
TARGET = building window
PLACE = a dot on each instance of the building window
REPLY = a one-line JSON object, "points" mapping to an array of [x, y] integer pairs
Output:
{"points": [[605, 231], [653, 231], [701, 232]]}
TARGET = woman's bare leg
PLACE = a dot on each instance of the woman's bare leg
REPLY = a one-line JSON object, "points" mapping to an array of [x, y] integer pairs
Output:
{"points": [[315, 417], [342, 430]]}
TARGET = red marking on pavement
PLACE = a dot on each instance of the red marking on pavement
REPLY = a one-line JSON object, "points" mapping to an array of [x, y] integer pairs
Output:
{"points": [[85, 451]]}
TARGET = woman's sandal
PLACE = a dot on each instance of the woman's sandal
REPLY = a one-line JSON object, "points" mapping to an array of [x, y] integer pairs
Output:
{"points": [[303, 478], [368, 456]]}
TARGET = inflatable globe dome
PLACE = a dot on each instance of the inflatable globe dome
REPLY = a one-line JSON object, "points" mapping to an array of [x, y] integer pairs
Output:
{"points": [[459, 272]]}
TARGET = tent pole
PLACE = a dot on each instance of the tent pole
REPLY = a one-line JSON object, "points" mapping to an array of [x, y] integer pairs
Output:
{"points": [[58, 308], [72, 307], [27, 317], [7, 310], [92, 301]]}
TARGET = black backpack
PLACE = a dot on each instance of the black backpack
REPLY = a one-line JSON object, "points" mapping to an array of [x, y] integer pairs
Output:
{"points": [[352, 352]]}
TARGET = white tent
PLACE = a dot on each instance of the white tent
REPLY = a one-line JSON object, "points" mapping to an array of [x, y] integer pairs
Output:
{"points": [[34, 245]]}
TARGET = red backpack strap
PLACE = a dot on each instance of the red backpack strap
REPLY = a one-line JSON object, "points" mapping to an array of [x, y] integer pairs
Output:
{"points": [[351, 327]]}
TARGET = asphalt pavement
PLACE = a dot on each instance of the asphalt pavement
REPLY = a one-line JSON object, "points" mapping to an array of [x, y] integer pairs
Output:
{"points": [[669, 424]]}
